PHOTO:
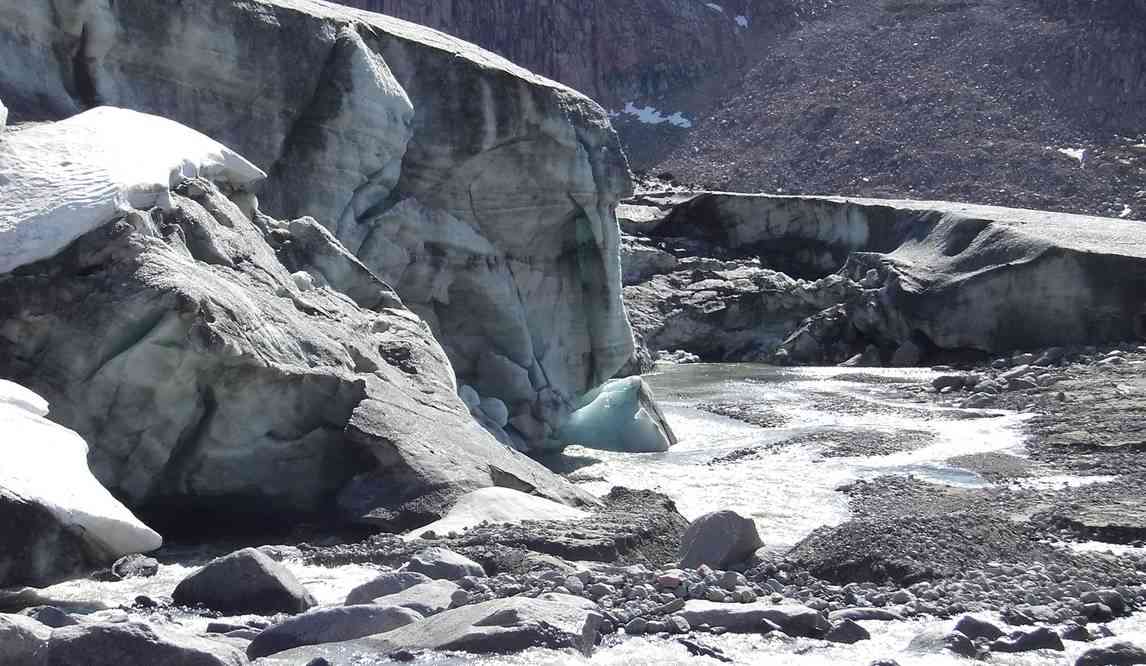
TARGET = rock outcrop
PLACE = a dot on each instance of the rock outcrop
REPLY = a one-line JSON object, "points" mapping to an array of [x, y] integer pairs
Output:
{"points": [[928, 275], [217, 358], [470, 184], [499, 626], [58, 521]]}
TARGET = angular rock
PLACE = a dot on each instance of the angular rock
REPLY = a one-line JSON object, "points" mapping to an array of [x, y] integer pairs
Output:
{"points": [[847, 631], [136, 644], [1042, 638], [443, 564], [246, 581], [746, 618], [23, 640], [425, 598], [391, 582], [499, 626], [330, 625], [1115, 654], [718, 539], [59, 522]]}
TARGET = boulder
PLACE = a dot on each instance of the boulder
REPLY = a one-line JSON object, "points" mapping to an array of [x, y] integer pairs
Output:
{"points": [[425, 598], [468, 183], [246, 581], [136, 644], [847, 631], [59, 522], [1116, 654], [274, 398], [619, 415], [330, 625], [499, 626], [1042, 638], [863, 614], [974, 628], [748, 618], [498, 506], [391, 582], [23, 640], [443, 564], [718, 539]]}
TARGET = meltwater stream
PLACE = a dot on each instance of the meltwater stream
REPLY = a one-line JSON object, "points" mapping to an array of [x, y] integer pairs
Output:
{"points": [[788, 488]]}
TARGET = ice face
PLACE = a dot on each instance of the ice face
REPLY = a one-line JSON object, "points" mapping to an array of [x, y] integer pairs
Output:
{"points": [[47, 464]]}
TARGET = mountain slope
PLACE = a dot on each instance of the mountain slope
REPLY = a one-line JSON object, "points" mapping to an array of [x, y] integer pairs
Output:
{"points": [[985, 101]]}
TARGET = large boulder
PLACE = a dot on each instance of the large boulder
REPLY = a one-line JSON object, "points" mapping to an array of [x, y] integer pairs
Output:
{"points": [[228, 368], [136, 644], [23, 640], [246, 581], [470, 184], [58, 522], [718, 539], [1119, 653], [443, 564], [428, 598], [330, 625], [499, 626], [391, 582]]}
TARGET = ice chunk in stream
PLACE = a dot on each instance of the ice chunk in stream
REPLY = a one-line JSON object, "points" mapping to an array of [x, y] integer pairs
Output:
{"points": [[619, 415]]}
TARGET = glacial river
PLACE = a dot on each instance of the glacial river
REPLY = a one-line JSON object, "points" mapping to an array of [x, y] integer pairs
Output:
{"points": [[788, 488]]}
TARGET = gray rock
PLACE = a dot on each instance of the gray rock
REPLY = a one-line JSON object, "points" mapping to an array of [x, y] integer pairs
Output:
{"points": [[136, 644], [1042, 638], [1115, 654], [974, 628], [498, 626], [847, 631], [719, 539], [443, 564], [426, 598], [862, 614], [23, 640], [958, 643], [391, 582], [50, 616], [747, 618], [246, 581], [330, 625]]}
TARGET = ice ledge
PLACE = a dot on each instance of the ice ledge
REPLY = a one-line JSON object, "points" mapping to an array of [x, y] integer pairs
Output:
{"points": [[61, 180]]}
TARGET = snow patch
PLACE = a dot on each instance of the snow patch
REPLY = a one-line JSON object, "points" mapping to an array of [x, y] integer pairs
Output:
{"points": [[650, 116], [742, 21], [61, 180], [48, 464], [1127, 211], [497, 505], [1074, 153], [714, 7]]}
